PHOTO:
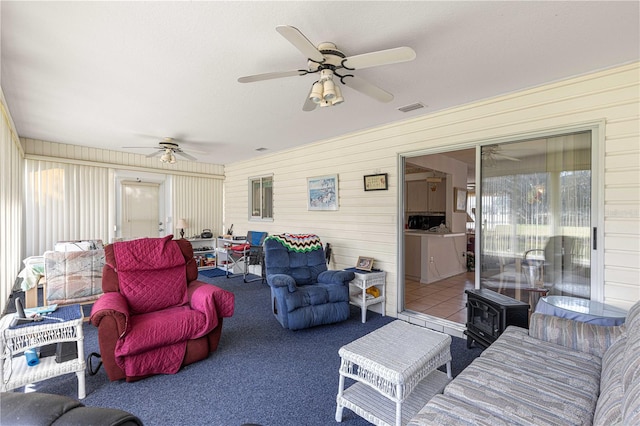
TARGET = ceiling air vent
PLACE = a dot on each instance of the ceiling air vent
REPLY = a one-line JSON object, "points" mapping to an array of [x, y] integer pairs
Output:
{"points": [[411, 107]]}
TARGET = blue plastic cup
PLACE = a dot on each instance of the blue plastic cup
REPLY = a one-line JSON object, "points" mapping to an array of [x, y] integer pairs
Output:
{"points": [[32, 357]]}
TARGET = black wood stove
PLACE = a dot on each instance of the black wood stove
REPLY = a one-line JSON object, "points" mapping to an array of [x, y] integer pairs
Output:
{"points": [[490, 313]]}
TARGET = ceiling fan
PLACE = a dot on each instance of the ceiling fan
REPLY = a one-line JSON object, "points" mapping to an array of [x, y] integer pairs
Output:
{"points": [[492, 153], [332, 67], [167, 149]]}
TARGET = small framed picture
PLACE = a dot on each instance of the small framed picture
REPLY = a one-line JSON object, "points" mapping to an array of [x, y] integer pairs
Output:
{"points": [[376, 182], [364, 263], [460, 200]]}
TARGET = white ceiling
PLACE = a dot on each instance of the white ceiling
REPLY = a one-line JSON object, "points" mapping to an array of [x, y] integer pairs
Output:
{"points": [[115, 74]]}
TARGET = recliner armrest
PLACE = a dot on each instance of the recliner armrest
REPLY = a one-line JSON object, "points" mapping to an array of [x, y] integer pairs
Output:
{"points": [[282, 280], [336, 277], [201, 295], [114, 305]]}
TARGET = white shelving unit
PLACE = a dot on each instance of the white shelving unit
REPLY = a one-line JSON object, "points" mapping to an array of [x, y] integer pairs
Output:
{"points": [[358, 291], [202, 247]]}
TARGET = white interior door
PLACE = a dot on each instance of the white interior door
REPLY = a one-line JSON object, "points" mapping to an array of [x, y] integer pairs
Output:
{"points": [[140, 214]]}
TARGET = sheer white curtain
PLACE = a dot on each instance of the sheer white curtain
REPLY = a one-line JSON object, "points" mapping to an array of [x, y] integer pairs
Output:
{"points": [[199, 201], [11, 225], [65, 202]]}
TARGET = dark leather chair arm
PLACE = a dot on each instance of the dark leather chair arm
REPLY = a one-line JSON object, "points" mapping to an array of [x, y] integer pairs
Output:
{"points": [[47, 409]]}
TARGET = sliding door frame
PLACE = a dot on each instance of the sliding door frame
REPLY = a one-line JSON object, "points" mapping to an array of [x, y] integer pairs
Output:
{"points": [[597, 193], [597, 129]]}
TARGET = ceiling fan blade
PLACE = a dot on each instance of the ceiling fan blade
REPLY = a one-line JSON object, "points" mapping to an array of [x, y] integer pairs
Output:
{"points": [[506, 157], [185, 155], [295, 37], [363, 86], [155, 154], [381, 57], [270, 76], [309, 105]]}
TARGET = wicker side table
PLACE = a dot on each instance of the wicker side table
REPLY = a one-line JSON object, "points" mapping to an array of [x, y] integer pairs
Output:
{"points": [[63, 325], [358, 290], [395, 369]]}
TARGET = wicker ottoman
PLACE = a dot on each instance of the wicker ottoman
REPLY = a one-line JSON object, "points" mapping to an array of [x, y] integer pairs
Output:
{"points": [[395, 369]]}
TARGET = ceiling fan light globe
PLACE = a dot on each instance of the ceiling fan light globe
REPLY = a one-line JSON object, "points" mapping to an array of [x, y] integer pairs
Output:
{"points": [[329, 90], [329, 96], [338, 99], [316, 92]]}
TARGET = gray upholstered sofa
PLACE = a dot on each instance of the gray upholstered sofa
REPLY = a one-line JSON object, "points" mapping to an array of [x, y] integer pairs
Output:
{"points": [[559, 372]]}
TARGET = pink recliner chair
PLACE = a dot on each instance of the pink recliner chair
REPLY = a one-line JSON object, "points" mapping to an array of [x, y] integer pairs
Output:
{"points": [[155, 316]]}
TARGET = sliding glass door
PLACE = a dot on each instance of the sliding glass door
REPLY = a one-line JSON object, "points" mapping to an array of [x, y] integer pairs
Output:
{"points": [[535, 212]]}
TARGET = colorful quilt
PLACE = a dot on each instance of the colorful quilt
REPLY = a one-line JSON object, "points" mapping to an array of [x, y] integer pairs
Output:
{"points": [[301, 243]]}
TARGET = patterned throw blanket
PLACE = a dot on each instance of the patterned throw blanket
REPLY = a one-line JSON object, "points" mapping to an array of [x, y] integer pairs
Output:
{"points": [[300, 243]]}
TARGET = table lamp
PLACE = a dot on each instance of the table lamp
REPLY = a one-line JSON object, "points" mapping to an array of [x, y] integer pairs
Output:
{"points": [[181, 225]]}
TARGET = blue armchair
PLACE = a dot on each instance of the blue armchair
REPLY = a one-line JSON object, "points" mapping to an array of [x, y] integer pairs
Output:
{"points": [[303, 292]]}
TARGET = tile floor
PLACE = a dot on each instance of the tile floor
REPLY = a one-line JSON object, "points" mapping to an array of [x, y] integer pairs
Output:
{"points": [[443, 299]]}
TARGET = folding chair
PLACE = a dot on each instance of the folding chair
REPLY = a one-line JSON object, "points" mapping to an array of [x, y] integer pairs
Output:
{"points": [[249, 253]]}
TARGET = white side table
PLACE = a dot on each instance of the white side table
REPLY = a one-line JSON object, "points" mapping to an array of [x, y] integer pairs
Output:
{"points": [[358, 290], [395, 372], [67, 326]]}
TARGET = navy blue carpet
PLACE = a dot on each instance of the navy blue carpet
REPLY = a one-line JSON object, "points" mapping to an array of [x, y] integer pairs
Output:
{"points": [[261, 373], [212, 273]]}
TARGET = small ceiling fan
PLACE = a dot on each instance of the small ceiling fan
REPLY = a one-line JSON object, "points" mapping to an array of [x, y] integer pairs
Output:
{"points": [[329, 62], [167, 149], [492, 153]]}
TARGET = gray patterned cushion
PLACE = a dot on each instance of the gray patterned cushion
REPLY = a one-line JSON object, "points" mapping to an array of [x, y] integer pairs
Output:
{"points": [[609, 408], [631, 406], [445, 410], [583, 337], [523, 382], [631, 370]]}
